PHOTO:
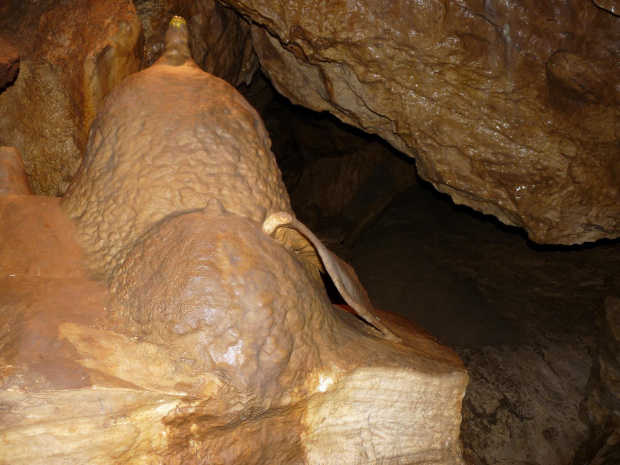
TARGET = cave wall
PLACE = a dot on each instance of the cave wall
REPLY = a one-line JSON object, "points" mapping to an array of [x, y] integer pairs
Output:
{"points": [[71, 54], [511, 108], [219, 38]]}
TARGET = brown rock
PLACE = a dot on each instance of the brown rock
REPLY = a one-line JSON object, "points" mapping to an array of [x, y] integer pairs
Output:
{"points": [[9, 62], [509, 108], [168, 140], [43, 284], [219, 39], [197, 133], [613, 6], [13, 179], [68, 66], [602, 405], [237, 356]]}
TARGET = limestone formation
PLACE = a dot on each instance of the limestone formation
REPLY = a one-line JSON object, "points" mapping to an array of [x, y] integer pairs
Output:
{"points": [[236, 356], [213, 342], [511, 108], [72, 54], [168, 140], [210, 338], [219, 39]]}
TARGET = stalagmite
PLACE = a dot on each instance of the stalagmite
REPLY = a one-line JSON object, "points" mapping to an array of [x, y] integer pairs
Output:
{"points": [[175, 314]]}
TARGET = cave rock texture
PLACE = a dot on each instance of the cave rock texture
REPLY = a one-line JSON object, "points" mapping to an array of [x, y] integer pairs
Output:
{"points": [[72, 53], [511, 108], [158, 125], [210, 338], [9, 62], [237, 357], [219, 39]]}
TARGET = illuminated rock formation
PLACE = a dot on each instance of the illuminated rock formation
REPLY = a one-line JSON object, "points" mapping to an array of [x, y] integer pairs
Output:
{"points": [[210, 338], [72, 54]]}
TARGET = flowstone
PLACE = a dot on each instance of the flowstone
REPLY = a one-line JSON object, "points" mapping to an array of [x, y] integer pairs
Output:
{"points": [[191, 325]]}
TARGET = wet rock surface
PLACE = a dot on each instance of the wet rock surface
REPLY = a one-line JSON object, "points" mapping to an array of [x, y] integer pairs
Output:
{"points": [[236, 356], [521, 316], [613, 6], [509, 108], [67, 68]]}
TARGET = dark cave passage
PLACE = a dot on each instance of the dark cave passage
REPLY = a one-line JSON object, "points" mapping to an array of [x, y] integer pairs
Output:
{"points": [[522, 316]]}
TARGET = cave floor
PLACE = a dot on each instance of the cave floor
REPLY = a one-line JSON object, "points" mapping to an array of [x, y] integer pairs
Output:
{"points": [[521, 316]]}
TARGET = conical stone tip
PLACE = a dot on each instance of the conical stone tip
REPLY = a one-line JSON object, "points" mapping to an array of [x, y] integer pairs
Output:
{"points": [[177, 21], [176, 50]]}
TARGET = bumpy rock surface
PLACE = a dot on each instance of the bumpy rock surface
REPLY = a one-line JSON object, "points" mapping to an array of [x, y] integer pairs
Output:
{"points": [[219, 39], [72, 54], [9, 62], [511, 108], [236, 356], [241, 307], [168, 140]]}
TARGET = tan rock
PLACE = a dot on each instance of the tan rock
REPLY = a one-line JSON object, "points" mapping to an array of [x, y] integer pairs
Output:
{"points": [[511, 109], [168, 140], [13, 179], [9, 62], [176, 123], [219, 39], [237, 356], [216, 343], [72, 54]]}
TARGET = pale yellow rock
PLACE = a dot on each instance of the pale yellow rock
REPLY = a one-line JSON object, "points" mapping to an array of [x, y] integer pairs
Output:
{"points": [[380, 415], [238, 357]]}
